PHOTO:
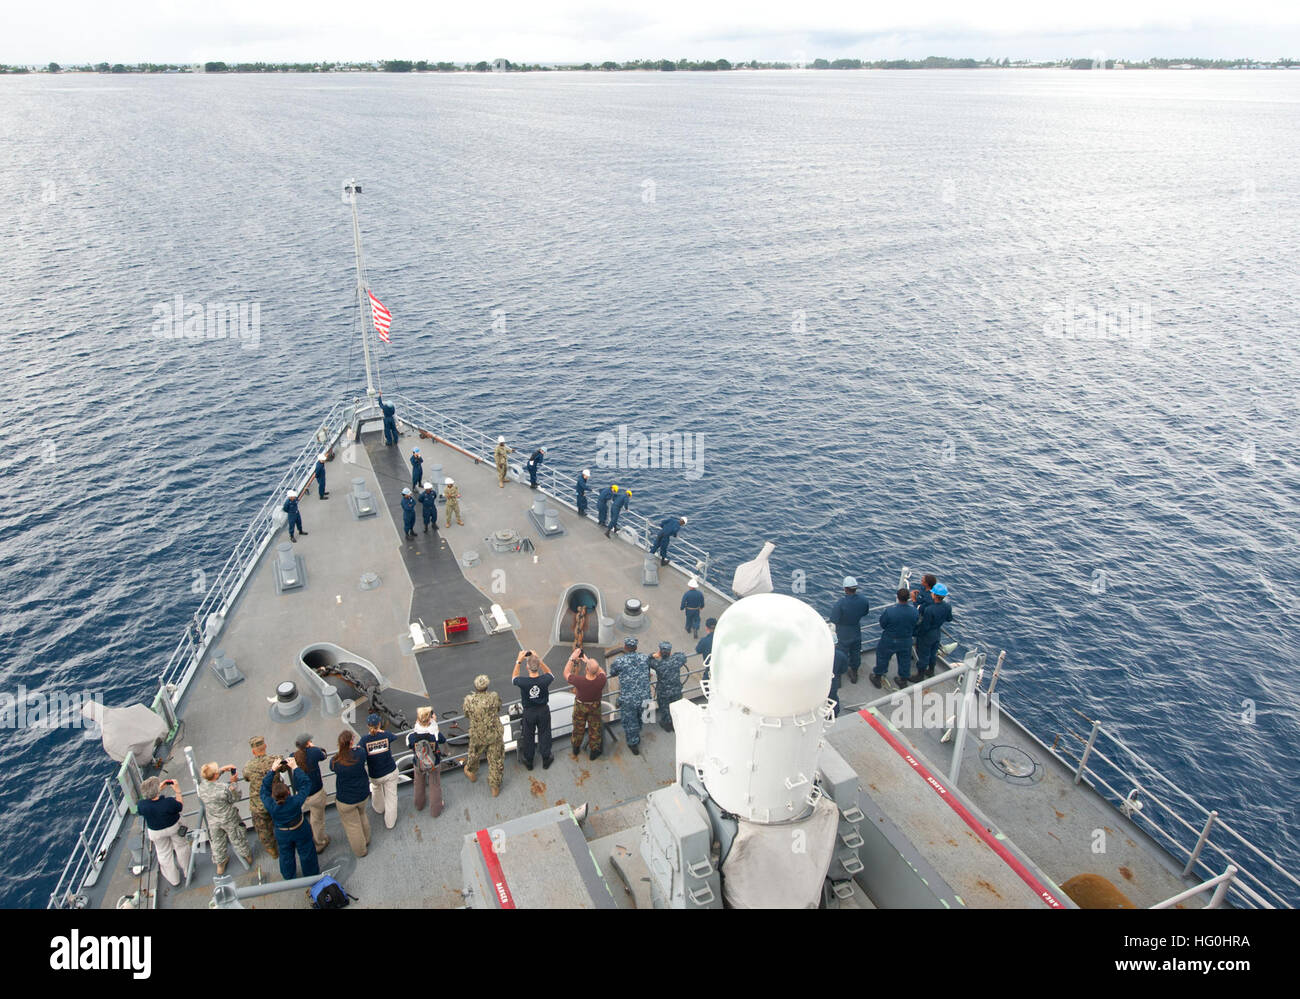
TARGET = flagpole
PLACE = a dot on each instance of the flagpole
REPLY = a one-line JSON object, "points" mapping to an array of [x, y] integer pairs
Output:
{"points": [[352, 188]]}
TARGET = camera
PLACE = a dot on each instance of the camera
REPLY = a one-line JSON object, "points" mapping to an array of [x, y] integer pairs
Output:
{"points": [[281, 765]]}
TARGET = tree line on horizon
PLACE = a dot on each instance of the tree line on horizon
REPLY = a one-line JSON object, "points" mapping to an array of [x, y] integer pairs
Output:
{"points": [[638, 65]]}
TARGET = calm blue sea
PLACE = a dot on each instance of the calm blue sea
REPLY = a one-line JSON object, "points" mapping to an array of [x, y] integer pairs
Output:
{"points": [[1034, 331]]}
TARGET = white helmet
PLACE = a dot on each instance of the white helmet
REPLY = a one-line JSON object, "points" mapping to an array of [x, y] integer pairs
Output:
{"points": [[291, 495], [450, 482], [693, 583], [501, 440], [542, 449], [586, 473], [683, 520], [850, 583], [406, 491], [428, 485]]}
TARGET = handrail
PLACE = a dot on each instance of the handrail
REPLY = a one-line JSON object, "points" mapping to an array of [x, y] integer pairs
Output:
{"points": [[1220, 885]]}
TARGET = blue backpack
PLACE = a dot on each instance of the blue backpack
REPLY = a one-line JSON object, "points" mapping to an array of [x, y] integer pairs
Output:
{"points": [[328, 894]]}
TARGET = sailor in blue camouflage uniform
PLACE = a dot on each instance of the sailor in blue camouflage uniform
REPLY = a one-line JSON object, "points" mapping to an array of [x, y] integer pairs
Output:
{"points": [[295, 518], [633, 671], [408, 514], [668, 668], [390, 421]]}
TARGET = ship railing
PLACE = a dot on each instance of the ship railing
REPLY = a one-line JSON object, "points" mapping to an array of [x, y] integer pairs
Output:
{"points": [[1220, 885], [91, 850], [556, 482], [221, 592], [1246, 888]]}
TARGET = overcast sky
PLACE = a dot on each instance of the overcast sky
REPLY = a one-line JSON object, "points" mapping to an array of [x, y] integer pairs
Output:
{"points": [[76, 31]]}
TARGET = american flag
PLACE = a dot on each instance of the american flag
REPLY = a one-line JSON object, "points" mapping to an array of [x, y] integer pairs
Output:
{"points": [[383, 318]]}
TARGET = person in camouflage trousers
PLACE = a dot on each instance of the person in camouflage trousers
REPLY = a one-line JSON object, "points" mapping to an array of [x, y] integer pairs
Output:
{"points": [[452, 495], [254, 770], [483, 711], [633, 671], [224, 824], [503, 464], [668, 668]]}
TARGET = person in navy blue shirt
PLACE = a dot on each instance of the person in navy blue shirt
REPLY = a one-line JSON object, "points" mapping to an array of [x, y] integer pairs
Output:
{"points": [[351, 789], [429, 506], [292, 831], [417, 469], [583, 488], [535, 464], [622, 500], [667, 531], [408, 514], [320, 475], [693, 603], [383, 769], [309, 757], [295, 518], [847, 615], [704, 646], [390, 422], [934, 616], [897, 628], [162, 822]]}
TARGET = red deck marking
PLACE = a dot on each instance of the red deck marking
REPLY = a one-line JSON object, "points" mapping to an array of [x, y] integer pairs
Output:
{"points": [[1007, 856], [497, 875]]}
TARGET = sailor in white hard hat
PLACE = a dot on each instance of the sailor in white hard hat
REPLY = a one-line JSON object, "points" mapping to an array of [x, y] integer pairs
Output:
{"points": [[847, 615], [667, 531], [452, 495], [503, 465], [408, 514], [583, 488], [693, 603], [319, 473], [429, 506], [295, 518]]}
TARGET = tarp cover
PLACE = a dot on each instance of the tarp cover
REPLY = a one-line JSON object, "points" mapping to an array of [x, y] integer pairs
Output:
{"points": [[754, 576], [134, 730], [781, 866]]}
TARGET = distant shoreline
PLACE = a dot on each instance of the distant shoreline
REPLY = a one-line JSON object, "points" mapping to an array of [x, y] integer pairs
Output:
{"points": [[646, 66]]}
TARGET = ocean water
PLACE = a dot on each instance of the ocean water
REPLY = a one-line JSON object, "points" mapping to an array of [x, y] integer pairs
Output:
{"points": [[873, 295]]}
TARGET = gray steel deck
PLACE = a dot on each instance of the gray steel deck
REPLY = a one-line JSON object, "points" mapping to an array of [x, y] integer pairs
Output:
{"points": [[417, 863]]}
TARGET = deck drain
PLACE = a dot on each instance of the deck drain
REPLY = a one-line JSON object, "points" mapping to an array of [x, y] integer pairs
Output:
{"points": [[1012, 764]]}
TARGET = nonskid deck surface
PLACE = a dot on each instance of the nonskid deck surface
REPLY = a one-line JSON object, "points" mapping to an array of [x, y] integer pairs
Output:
{"points": [[420, 579]]}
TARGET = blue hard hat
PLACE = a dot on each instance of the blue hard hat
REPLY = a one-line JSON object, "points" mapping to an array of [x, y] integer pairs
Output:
{"points": [[940, 590]]}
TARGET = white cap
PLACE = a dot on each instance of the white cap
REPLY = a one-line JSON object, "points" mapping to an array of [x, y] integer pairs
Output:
{"points": [[290, 494], [428, 485], [501, 440], [450, 482], [406, 491], [850, 583], [693, 583], [321, 456], [586, 473], [683, 520]]}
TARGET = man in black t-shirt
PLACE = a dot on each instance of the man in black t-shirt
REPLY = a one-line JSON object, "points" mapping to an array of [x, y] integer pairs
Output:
{"points": [[534, 695]]}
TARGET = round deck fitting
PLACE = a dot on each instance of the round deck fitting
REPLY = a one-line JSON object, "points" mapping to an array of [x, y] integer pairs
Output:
{"points": [[1011, 764]]}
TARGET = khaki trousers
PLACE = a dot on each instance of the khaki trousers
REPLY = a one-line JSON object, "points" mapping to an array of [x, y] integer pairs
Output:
{"points": [[356, 824]]}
